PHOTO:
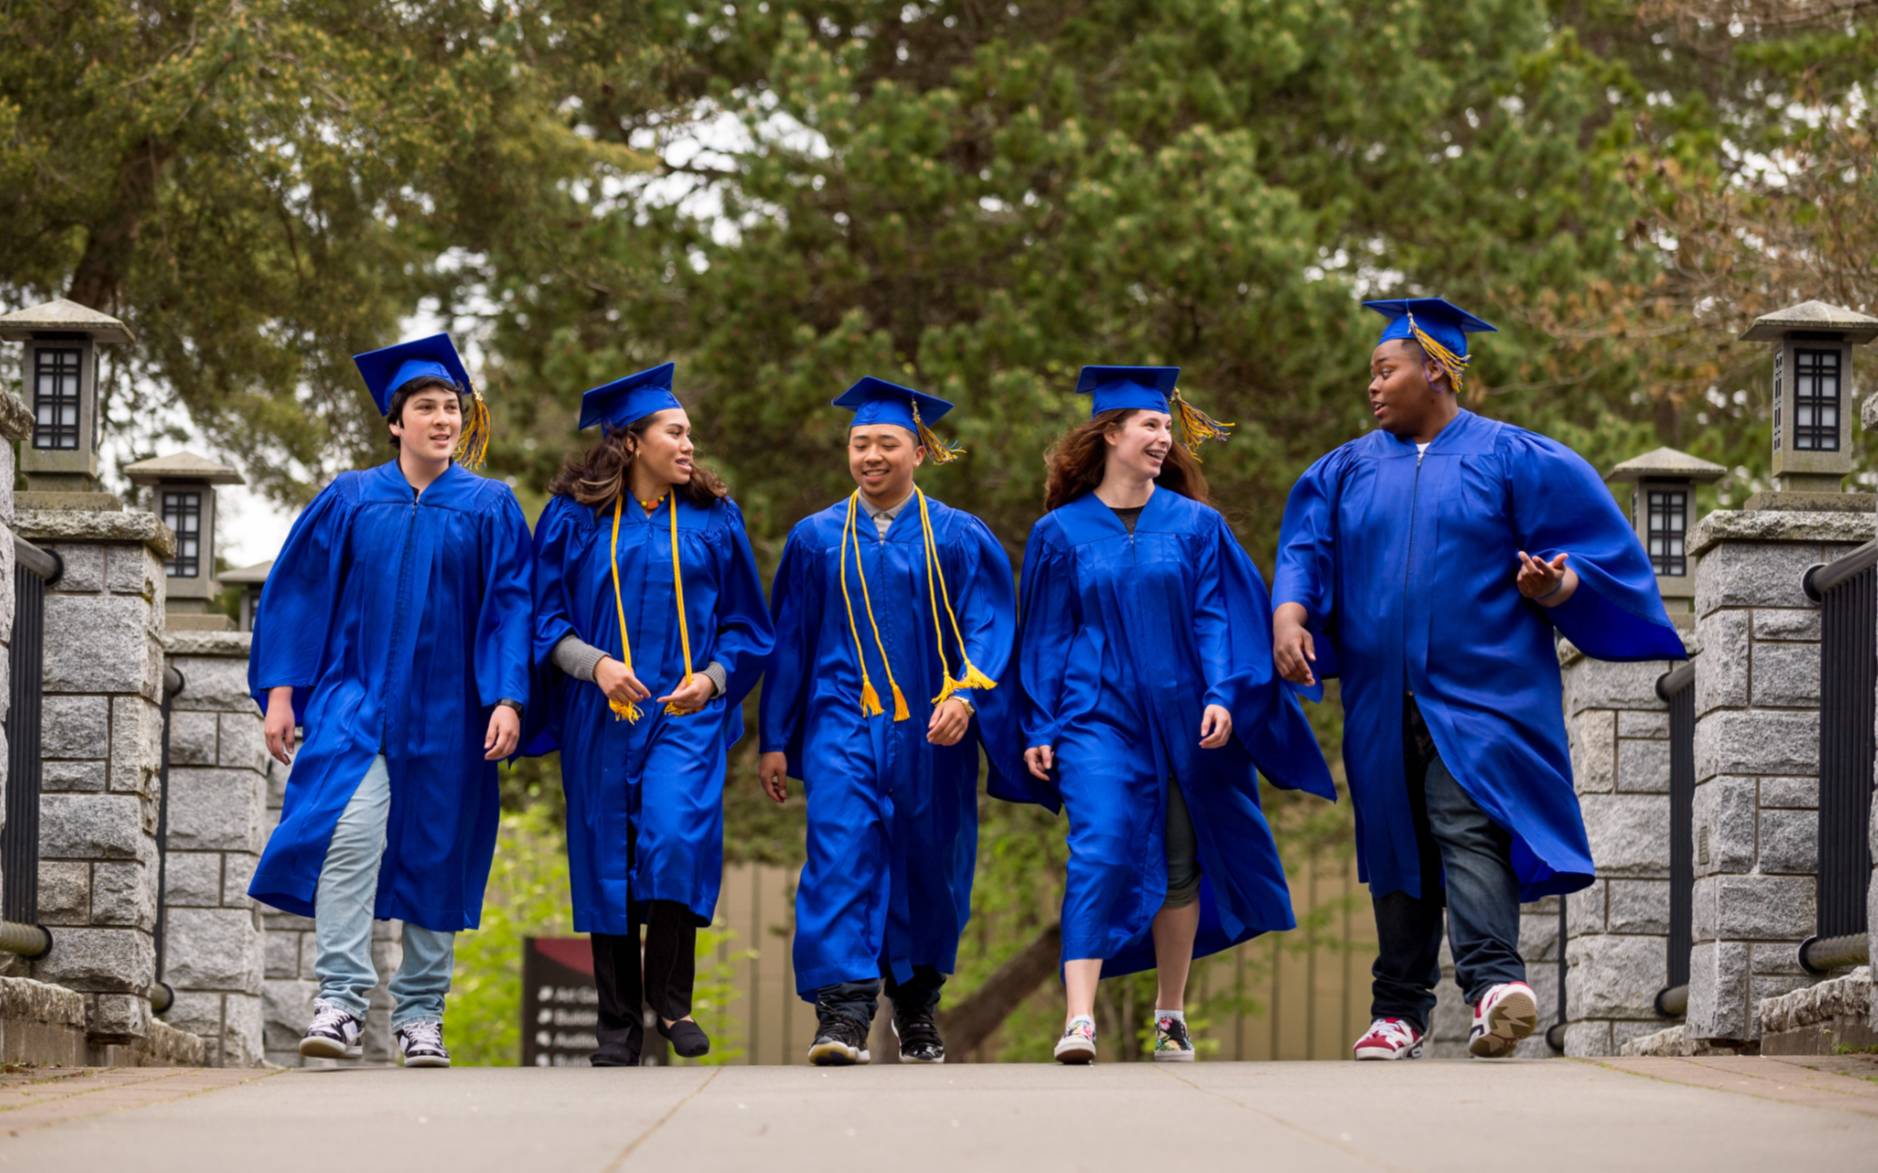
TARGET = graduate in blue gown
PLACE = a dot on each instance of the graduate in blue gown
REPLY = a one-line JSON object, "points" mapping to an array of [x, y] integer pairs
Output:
{"points": [[395, 629], [1150, 706], [894, 616], [651, 626], [1430, 564]]}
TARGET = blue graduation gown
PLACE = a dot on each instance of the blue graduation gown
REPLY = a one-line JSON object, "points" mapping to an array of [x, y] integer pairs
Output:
{"points": [[400, 620], [1124, 641], [1407, 570], [892, 819], [657, 782]]}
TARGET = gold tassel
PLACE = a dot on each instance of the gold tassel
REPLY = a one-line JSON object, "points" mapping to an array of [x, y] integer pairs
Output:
{"points": [[622, 710], [935, 571], [870, 699], [472, 447], [942, 452], [1197, 426], [1454, 364], [900, 711]]}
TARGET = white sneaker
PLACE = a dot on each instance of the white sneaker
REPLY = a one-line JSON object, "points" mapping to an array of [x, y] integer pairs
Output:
{"points": [[1077, 1045], [334, 1033], [1389, 1038], [420, 1044], [1506, 1014]]}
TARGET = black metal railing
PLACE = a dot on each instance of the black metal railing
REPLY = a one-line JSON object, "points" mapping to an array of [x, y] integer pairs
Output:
{"points": [[33, 571], [1677, 689], [1555, 1034], [1847, 593], [161, 996]]}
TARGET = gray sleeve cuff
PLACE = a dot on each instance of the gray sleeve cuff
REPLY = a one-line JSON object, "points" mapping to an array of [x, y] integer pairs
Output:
{"points": [[577, 657], [719, 678]]}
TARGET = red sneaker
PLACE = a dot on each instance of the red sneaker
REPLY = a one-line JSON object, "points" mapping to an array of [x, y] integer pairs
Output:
{"points": [[1506, 1014], [1389, 1038]]}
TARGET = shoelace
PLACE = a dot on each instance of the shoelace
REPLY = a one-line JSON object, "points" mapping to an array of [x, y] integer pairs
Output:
{"points": [[328, 1017], [426, 1035], [919, 1031], [1393, 1031]]}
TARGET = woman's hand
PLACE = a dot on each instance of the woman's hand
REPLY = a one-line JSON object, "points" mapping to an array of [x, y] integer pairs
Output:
{"points": [[278, 727], [949, 722], [1041, 759], [772, 770], [617, 681], [1215, 727], [690, 696]]}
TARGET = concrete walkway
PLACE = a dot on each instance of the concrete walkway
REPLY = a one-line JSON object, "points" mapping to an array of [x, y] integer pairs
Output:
{"points": [[1581, 1116]]}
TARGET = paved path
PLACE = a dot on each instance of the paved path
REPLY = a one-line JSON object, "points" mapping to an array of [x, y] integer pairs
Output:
{"points": [[1583, 1116]]}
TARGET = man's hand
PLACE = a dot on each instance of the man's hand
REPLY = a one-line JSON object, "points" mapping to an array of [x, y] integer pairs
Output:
{"points": [[1041, 759], [772, 770], [1293, 649], [1215, 727], [278, 727], [617, 681], [1546, 583], [949, 722], [690, 697], [505, 730]]}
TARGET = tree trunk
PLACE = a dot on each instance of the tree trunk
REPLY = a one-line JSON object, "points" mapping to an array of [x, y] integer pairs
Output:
{"points": [[110, 244], [972, 1021]]}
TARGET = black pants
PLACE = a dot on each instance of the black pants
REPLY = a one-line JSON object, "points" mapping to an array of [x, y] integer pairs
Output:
{"points": [[664, 983], [857, 1000]]}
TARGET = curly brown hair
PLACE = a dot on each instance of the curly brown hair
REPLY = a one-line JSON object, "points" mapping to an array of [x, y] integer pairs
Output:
{"points": [[1073, 465], [601, 473]]}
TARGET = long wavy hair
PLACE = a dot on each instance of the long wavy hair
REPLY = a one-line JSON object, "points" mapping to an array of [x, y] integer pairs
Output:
{"points": [[1073, 465], [601, 473]]}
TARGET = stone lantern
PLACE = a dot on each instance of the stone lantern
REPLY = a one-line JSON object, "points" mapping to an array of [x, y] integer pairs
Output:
{"points": [[183, 495], [1813, 403], [1662, 508], [250, 579], [61, 376]]}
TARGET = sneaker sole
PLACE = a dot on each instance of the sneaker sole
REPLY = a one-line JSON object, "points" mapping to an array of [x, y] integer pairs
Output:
{"points": [[1414, 1052], [1075, 1056], [314, 1047], [1173, 1056], [838, 1055], [1512, 1018], [427, 1061]]}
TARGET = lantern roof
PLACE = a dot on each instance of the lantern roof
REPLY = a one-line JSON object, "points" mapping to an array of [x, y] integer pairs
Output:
{"points": [[62, 317], [1813, 315], [182, 466], [1666, 464]]}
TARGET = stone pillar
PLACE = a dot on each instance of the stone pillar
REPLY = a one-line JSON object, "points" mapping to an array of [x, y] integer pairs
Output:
{"points": [[1618, 929], [217, 819], [291, 983], [16, 422], [102, 733], [1756, 756]]}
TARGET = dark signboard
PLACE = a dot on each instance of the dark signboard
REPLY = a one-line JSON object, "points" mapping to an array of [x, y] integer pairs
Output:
{"points": [[559, 1007]]}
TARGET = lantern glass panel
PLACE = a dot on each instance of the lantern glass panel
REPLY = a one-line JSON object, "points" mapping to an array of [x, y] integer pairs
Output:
{"points": [[1816, 400], [55, 397], [182, 512], [1668, 527]]}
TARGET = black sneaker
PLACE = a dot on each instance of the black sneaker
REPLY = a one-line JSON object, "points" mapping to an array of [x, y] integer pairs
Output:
{"points": [[919, 1037], [618, 1047], [334, 1033], [839, 1042], [420, 1044], [687, 1038]]}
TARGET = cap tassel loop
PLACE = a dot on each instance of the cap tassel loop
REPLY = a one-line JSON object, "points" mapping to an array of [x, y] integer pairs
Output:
{"points": [[1454, 364], [870, 698], [472, 447], [970, 677], [942, 452], [1196, 426], [622, 710]]}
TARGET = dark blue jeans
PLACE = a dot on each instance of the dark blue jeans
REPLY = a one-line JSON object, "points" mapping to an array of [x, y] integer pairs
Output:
{"points": [[1467, 854], [856, 1000]]}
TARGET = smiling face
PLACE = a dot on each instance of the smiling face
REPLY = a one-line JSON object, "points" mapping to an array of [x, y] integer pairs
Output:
{"points": [[881, 458], [663, 449], [429, 424], [1139, 444], [1402, 396]]}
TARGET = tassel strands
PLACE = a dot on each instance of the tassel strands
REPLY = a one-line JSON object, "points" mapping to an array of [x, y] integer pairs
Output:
{"points": [[472, 447], [942, 451], [1454, 364], [1196, 426]]}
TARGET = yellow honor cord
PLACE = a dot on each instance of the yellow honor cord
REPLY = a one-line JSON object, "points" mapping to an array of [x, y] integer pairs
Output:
{"points": [[622, 710], [1197, 426], [870, 699], [1454, 364], [970, 676], [472, 447], [678, 590]]}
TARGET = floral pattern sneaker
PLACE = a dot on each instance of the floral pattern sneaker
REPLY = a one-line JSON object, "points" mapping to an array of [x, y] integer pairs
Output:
{"points": [[1078, 1043], [1172, 1044]]}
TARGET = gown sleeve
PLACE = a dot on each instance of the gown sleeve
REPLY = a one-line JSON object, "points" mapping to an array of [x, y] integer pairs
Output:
{"points": [[300, 598], [1049, 616], [1560, 506], [554, 608], [1230, 611], [795, 608], [986, 603], [1305, 571], [505, 619], [745, 636]]}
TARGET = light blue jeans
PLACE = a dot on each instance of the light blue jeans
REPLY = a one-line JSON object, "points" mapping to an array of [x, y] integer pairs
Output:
{"points": [[342, 917]]}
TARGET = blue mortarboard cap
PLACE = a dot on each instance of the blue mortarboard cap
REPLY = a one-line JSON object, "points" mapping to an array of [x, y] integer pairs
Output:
{"points": [[624, 402], [876, 401], [391, 367], [1441, 320], [1138, 388]]}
